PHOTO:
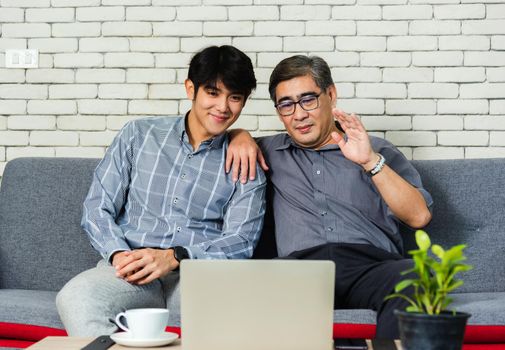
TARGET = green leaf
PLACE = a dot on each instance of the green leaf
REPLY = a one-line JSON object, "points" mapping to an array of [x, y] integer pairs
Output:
{"points": [[403, 284], [438, 251], [422, 240]]}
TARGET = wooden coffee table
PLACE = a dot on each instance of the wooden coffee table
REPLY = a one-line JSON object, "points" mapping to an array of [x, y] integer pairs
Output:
{"points": [[74, 343]]}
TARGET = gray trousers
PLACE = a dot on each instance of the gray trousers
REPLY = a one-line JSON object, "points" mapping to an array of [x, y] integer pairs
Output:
{"points": [[89, 302]]}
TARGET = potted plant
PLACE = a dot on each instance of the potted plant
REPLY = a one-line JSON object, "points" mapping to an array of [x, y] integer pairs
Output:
{"points": [[426, 323]]}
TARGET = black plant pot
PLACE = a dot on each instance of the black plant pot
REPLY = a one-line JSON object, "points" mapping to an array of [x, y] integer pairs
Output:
{"points": [[432, 332]]}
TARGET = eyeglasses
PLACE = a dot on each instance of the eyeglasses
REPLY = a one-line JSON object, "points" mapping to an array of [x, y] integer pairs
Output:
{"points": [[308, 103]]}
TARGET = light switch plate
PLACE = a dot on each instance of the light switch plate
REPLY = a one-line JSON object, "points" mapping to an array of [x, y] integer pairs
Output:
{"points": [[22, 58]]}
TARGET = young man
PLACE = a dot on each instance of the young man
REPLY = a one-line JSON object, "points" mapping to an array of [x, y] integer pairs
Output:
{"points": [[161, 195], [338, 193]]}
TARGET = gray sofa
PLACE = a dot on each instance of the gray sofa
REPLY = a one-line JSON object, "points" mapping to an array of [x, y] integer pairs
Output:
{"points": [[42, 245]]}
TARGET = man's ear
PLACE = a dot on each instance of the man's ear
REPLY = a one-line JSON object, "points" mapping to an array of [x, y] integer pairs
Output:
{"points": [[190, 89], [332, 93]]}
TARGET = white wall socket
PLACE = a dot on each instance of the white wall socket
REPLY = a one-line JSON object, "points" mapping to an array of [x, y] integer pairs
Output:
{"points": [[22, 58]]}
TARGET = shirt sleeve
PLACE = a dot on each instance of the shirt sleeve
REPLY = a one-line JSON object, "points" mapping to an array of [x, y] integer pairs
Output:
{"points": [[107, 195], [242, 224]]}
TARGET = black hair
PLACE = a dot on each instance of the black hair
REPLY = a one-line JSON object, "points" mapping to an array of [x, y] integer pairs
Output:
{"points": [[225, 63], [297, 66]]}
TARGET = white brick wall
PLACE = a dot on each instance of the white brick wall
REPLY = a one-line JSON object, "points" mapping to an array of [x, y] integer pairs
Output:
{"points": [[429, 75]]}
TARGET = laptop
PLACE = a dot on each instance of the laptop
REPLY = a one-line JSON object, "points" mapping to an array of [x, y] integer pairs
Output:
{"points": [[257, 304]]}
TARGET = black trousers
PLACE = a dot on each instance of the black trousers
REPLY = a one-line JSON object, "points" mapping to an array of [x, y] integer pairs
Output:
{"points": [[364, 276]]}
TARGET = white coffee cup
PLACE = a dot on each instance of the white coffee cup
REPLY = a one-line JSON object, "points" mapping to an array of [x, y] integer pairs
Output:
{"points": [[144, 323]]}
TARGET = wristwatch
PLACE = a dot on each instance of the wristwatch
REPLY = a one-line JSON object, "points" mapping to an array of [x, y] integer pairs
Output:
{"points": [[180, 253]]}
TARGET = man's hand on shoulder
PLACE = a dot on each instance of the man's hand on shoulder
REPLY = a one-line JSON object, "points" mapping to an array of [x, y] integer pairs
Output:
{"points": [[143, 266]]}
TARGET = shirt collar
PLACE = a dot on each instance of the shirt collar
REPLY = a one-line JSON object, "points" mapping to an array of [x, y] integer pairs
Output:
{"points": [[214, 142]]}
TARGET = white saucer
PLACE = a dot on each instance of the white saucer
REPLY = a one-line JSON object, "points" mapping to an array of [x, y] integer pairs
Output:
{"points": [[125, 339]]}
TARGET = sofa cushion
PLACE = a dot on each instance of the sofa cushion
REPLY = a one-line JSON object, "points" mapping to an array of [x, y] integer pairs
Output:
{"points": [[29, 307], [354, 316], [42, 245], [485, 308]]}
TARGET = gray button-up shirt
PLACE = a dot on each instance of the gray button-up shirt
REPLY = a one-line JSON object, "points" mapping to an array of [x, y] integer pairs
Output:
{"points": [[321, 197]]}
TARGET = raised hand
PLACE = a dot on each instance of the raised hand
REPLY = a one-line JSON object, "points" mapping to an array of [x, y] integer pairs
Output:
{"points": [[357, 147]]}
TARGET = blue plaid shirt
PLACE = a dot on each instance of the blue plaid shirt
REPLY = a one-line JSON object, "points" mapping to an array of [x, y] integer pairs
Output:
{"points": [[153, 190]]}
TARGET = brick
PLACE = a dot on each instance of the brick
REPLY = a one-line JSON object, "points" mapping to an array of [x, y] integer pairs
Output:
{"points": [[345, 90], [76, 3], [498, 42], [484, 152], [493, 74], [126, 29], [49, 75], [88, 122], [96, 138], [13, 107], [3, 123], [54, 138], [460, 74], [253, 13], [495, 11], [166, 91], [2, 154], [407, 12], [12, 15], [356, 12], [152, 107], [126, 60], [51, 107], [437, 58], [148, 75], [338, 59], [491, 58], [361, 105], [26, 30], [32, 122], [278, 2], [100, 14], [53, 45], [247, 122], [438, 153], [72, 91], [80, 152], [23, 91], [381, 2], [405, 107], [2, 168], [12, 44], [463, 138], [173, 60], [12, 75], [360, 43], [412, 138], [76, 29], [360, 74], [270, 123], [330, 28], [385, 59], [202, 13], [268, 28], [305, 13], [385, 123], [488, 26], [150, 13], [254, 107], [271, 59], [227, 2], [381, 90], [329, 2], [408, 75], [100, 75], [433, 90], [25, 3], [497, 138], [13, 138], [261, 92], [466, 42], [50, 15], [154, 44], [434, 2], [437, 122], [182, 75], [78, 60], [241, 28], [104, 45], [195, 44], [412, 43], [380, 28], [309, 43], [20, 152], [463, 12], [482, 90], [132, 2], [483, 122], [116, 122], [122, 91], [497, 107], [461, 106], [178, 29], [434, 27], [102, 107]]}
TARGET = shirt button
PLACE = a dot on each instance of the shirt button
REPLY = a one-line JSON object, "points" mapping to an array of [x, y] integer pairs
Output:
{"points": [[190, 156], [175, 201], [178, 229], [323, 213], [330, 229], [183, 176], [318, 172]]}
